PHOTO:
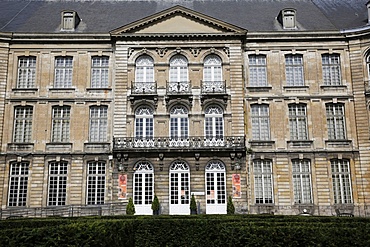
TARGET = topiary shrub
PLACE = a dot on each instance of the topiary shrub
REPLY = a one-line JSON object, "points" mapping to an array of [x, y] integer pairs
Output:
{"points": [[155, 205], [130, 208], [230, 206], [193, 205]]}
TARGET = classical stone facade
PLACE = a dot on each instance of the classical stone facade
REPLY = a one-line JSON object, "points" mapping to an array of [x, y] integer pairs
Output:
{"points": [[179, 103]]}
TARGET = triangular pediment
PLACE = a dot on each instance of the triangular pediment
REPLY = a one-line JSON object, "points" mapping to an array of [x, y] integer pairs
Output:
{"points": [[178, 20]]}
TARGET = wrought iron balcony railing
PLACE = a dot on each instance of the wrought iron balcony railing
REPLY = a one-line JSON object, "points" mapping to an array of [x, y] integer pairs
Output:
{"points": [[143, 87], [181, 87], [195, 142], [217, 87]]}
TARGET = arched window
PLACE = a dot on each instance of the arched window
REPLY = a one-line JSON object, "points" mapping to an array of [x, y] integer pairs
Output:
{"points": [[144, 123], [212, 68], [178, 69], [215, 187], [179, 123], [214, 123], [143, 187], [179, 187], [144, 75]]}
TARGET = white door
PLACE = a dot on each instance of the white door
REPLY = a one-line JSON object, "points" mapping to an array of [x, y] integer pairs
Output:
{"points": [[143, 188], [179, 188], [215, 188]]}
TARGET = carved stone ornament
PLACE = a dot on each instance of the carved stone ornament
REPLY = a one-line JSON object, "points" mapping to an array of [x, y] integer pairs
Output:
{"points": [[227, 51], [130, 51], [195, 51], [161, 51]]}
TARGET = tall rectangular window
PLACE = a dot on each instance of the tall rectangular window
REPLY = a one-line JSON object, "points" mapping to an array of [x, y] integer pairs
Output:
{"points": [[23, 124], [57, 183], [336, 121], [341, 177], [331, 70], [18, 184], [260, 122], [298, 122], [302, 181], [63, 72], [263, 189], [294, 70], [98, 123], [26, 72], [60, 122], [95, 182], [257, 71], [99, 72]]}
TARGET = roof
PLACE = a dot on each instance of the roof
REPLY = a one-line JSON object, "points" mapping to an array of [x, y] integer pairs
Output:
{"points": [[254, 15]]}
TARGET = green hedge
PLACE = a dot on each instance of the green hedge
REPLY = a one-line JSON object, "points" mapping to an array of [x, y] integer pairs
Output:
{"points": [[196, 230]]}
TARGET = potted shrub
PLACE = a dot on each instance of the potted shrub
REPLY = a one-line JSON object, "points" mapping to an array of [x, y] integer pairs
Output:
{"points": [[193, 205], [155, 205], [130, 208], [230, 206]]}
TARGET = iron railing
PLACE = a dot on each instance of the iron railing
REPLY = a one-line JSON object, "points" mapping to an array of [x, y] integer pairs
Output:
{"points": [[143, 87], [213, 87], [65, 211], [181, 87], [195, 142]]}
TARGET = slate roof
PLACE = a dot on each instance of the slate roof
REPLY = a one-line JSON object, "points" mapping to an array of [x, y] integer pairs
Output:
{"points": [[253, 15]]}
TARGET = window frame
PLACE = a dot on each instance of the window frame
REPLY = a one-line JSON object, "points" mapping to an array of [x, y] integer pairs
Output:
{"points": [[263, 189], [336, 123], [179, 122], [301, 178], [26, 72], [96, 182], [214, 122], [61, 134], [98, 124], [257, 70], [298, 128], [341, 181], [18, 184], [63, 72], [331, 70], [25, 129], [260, 121], [144, 123], [57, 183], [294, 70], [99, 72]]}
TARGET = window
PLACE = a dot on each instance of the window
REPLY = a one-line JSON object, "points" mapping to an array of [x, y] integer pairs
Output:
{"points": [[99, 72], [257, 71], [212, 69], [179, 122], [215, 182], [302, 181], [294, 70], [144, 75], [57, 183], [144, 128], [60, 123], [341, 177], [260, 122], [287, 17], [263, 181], [180, 180], [70, 20], [143, 184], [23, 124], [18, 184], [214, 122], [178, 69], [95, 182], [331, 70], [26, 72], [298, 122], [98, 123], [63, 72], [336, 121]]}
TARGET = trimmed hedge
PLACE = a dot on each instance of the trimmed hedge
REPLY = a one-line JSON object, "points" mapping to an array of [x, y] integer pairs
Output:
{"points": [[196, 230]]}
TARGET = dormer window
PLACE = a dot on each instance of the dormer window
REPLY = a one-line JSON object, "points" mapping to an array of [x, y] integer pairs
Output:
{"points": [[287, 18], [70, 20]]}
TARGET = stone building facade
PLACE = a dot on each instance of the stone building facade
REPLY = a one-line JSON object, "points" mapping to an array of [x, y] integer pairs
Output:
{"points": [[177, 102]]}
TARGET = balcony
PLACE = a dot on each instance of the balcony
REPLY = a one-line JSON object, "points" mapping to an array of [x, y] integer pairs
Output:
{"points": [[167, 143], [143, 88], [181, 87], [213, 87]]}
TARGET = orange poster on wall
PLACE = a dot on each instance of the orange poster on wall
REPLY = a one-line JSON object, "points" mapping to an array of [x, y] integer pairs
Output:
{"points": [[236, 186], [122, 186]]}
